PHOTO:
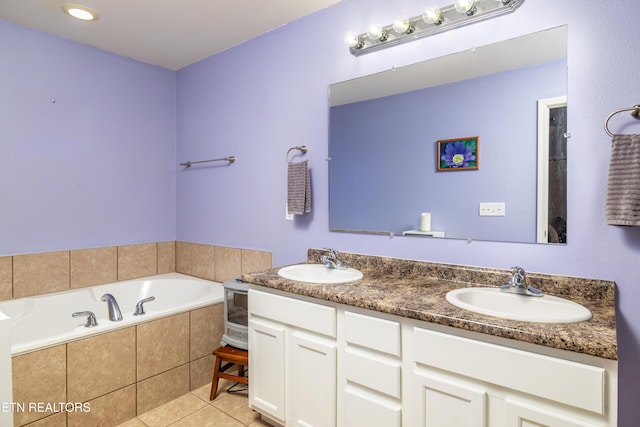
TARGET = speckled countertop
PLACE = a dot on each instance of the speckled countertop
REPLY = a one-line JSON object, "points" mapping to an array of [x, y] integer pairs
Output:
{"points": [[417, 289]]}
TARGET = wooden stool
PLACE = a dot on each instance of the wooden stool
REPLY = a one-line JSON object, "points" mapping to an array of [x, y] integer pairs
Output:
{"points": [[232, 356]]}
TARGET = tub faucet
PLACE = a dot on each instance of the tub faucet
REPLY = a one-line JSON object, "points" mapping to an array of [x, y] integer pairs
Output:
{"points": [[517, 285], [114, 309], [331, 260], [91, 318], [139, 308]]}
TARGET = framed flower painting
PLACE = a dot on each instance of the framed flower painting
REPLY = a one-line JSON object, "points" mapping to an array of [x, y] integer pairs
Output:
{"points": [[458, 154]]}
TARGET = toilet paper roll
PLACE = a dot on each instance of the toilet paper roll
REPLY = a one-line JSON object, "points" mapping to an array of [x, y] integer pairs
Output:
{"points": [[425, 221]]}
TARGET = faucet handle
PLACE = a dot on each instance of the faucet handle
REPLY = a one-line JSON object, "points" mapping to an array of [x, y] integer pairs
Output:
{"points": [[139, 308], [518, 272], [91, 318], [332, 252]]}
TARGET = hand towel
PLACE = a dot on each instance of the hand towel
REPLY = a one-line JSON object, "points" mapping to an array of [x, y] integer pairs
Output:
{"points": [[623, 185], [299, 188]]}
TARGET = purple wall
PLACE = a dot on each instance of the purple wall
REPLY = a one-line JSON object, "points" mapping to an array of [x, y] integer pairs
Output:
{"points": [[383, 156], [259, 99], [95, 168], [109, 179]]}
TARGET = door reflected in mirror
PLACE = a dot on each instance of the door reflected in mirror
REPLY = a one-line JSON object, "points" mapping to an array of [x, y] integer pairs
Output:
{"points": [[383, 135]]}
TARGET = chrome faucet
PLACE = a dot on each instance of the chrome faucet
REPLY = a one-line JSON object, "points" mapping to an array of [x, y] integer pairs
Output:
{"points": [[139, 308], [114, 309], [517, 285], [91, 318], [331, 260]]}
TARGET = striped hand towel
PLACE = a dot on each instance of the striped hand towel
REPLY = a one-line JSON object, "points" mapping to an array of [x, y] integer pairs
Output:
{"points": [[299, 188], [623, 185]]}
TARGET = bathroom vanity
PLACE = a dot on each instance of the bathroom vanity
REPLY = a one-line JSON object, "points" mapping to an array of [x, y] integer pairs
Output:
{"points": [[388, 350]]}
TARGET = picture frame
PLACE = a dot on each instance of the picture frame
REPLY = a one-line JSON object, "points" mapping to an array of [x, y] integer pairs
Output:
{"points": [[458, 154]]}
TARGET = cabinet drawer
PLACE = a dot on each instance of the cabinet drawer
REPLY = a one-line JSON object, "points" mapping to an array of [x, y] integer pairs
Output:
{"points": [[563, 381], [374, 373], [370, 411], [373, 333], [301, 314]]}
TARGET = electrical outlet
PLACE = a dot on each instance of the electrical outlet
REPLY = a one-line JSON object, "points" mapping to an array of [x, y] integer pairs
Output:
{"points": [[288, 216], [492, 209]]}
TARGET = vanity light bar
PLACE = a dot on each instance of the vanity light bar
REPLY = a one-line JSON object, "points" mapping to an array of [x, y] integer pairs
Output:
{"points": [[459, 14]]}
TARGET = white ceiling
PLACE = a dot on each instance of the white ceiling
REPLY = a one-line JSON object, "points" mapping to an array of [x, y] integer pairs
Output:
{"points": [[168, 33]]}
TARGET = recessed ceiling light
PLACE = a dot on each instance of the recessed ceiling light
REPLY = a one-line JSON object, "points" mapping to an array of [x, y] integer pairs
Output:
{"points": [[79, 11]]}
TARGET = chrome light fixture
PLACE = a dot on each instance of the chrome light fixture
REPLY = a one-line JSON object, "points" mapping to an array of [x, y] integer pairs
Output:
{"points": [[432, 21]]}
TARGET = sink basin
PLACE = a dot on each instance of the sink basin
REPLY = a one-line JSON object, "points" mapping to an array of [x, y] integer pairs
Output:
{"points": [[318, 273], [493, 302]]}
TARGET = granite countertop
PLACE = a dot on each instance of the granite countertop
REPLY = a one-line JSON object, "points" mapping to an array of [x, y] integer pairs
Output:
{"points": [[417, 290]]}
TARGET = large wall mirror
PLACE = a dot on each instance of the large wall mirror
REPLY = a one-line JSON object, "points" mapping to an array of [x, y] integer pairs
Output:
{"points": [[505, 178]]}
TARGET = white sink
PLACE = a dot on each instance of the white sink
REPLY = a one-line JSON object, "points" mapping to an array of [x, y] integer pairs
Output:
{"points": [[493, 302], [318, 273]]}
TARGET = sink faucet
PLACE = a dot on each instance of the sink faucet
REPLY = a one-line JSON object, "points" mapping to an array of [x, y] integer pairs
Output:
{"points": [[331, 260], [517, 285], [114, 309]]}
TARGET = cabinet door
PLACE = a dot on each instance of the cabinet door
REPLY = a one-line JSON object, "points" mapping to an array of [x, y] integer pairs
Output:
{"points": [[313, 381], [523, 415], [266, 368], [447, 403]]}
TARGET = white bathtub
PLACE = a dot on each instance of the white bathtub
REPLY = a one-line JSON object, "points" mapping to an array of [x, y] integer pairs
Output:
{"points": [[45, 320]]}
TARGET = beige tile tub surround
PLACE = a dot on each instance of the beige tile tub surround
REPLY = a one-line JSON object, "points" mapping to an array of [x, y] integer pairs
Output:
{"points": [[58, 419], [207, 327], [203, 261], [101, 364], [42, 379], [162, 388], [183, 257], [90, 267], [162, 344], [36, 274], [42, 273], [200, 371], [253, 261], [137, 261], [219, 263], [6, 278], [134, 369], [166, 257], [108, 410], [228, 263]]}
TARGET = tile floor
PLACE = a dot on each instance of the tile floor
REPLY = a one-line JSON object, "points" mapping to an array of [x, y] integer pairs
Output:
{"points": [[196, 410]]}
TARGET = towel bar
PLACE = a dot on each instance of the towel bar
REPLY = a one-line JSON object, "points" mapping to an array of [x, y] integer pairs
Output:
{"points": [[229, 159], [302, 148], [635, 113]]}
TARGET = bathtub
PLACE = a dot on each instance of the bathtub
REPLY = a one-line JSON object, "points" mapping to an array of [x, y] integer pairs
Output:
{"points": [[43, 321]]}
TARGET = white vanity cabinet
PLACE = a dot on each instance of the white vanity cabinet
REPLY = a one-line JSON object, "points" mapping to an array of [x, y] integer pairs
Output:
{"points": [[292, 360], [324, 364], [474, 383]]}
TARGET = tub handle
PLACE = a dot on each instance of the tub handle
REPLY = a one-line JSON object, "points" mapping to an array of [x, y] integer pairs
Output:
{"points": [[91, 318], [139, 308]]}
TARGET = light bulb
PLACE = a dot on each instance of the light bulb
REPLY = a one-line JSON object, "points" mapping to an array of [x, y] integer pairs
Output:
{"points": [[402, 25], [80, 12], [465, 6], [353, 40], [432, 15], [375, 32]]}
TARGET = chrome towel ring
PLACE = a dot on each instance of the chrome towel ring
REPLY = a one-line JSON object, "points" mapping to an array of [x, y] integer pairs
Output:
{"points": [[635, 113]]}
